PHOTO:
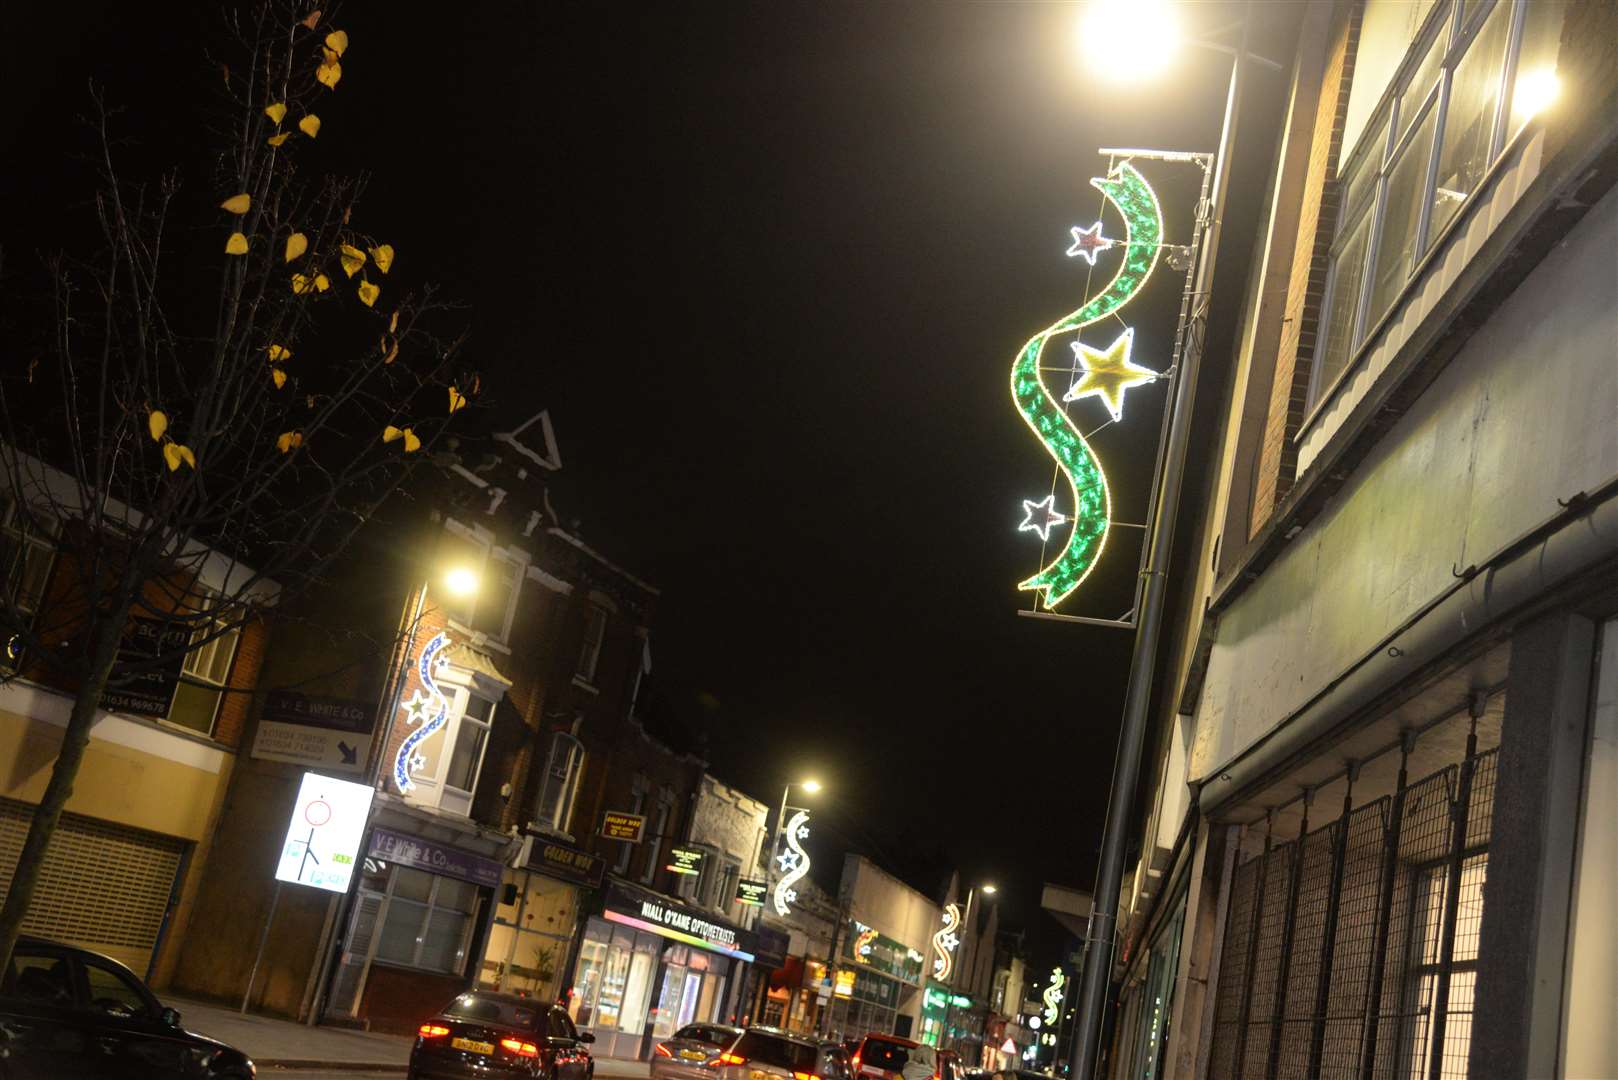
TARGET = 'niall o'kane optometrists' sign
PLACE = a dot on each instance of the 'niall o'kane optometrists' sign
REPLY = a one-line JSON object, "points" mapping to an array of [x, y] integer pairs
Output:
{"points": [[678, 923]]}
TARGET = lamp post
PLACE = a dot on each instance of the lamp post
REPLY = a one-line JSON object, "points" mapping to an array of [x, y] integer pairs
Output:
{"points": [[1119, 30]]}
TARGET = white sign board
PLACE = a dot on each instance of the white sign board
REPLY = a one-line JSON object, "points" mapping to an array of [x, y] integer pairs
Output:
{"points": [[329, 734], [324, 833]]}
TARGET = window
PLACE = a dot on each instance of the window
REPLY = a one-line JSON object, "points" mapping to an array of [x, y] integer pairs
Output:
{"points": [[637, 803], [595, 632], [112, 992], [488, 608], [553, 807], [725, 899], [492, 1010], [1439, 123], [428, 921], [471, 735], [659, 829], [26, 554], [206, 670], [44, 979]]}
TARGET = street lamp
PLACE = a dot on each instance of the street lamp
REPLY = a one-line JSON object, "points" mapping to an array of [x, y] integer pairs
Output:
{"points": [[1128, 40], [461, 581], [1122, 29]]}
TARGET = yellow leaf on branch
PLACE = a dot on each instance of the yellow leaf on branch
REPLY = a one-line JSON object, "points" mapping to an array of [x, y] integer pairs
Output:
{"points": [[382, 255], [276, 112], [238, 204], [412, 444], [236, 245], [297, 244], [391, 433], [174, 454], [337, 41], [369, 293], [289, 441], [391, 351], [277, 140], [393, 323], [351, 257], [310, 125], [313, 20], [157, 423], [301, 284], [457, 401], [279, 377], [322, 282], [329, 72], [279, 353]]}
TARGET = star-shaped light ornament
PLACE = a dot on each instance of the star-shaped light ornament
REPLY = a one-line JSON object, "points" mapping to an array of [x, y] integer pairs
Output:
{"points": [[1108, 373], [1087, 242], [788, 861], [1040, 517], [803, 832], [417, 707]]}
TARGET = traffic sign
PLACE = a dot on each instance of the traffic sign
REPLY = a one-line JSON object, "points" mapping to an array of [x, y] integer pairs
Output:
{"points": [[324, 833]]}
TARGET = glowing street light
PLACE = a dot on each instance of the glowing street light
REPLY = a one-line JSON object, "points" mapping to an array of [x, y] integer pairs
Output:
{"points": [[810, 786], [990, 889], [461, 581], [1128, 40]]}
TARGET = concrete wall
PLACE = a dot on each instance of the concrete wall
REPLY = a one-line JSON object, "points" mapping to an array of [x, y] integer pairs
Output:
{"points": [[733, 822], [1522, 415]]}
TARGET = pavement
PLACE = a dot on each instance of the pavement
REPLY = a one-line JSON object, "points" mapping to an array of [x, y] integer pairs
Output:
{"points": [[299, 1052]]}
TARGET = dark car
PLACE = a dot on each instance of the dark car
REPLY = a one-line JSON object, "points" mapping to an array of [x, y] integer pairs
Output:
{"points": [[692, 1053], [836, 1062], [66, 1011], [485, 1035]]}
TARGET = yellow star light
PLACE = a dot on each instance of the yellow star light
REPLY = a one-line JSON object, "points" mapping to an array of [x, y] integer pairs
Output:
{"points": [[1108, 373]]}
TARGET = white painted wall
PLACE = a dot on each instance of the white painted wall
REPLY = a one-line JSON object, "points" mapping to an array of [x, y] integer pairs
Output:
{"points": [[1525, 413]]}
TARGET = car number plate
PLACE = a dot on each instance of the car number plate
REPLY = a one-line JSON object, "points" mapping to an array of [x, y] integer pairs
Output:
{"points": [[472, 1046], [693, 1055]]}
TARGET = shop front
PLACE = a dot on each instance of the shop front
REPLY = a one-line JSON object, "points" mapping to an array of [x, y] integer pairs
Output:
{"points": [[876, 984], [649, 965], [537, 918], [417, 925], [952, 1020]]}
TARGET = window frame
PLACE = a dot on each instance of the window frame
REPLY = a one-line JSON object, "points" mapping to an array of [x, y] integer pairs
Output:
{"points": [[568, 795], [1461, 30], [518, 560], [435, 790], [586, 673], [428, 906], [27, 542], [639, 787], [654, 849], [202, 679]]}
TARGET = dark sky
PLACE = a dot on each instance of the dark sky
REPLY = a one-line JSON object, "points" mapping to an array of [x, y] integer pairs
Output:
{"points": [[767, 266]]}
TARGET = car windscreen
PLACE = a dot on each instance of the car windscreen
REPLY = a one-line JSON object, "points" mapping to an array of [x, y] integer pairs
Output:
{"points": [[490, 1010], [767, 1049], [892, 1056]]}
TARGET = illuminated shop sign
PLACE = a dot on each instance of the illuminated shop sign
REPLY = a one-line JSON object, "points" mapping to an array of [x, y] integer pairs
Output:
{"points": [[751, 892], [686, 860], [938, 999], [655, 915]]}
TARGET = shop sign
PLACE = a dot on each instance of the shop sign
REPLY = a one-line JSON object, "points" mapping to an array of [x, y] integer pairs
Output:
{"points": [[561, 861], [938, 999], [752, 892], [435, 858], [618, 825], [321, 732], [845, 984], [649, 911], [686, 860], [324, 833], [151, 692]]}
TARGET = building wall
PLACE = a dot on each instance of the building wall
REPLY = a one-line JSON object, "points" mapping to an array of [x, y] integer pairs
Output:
{"points": [[735, 823], [1522, 416]]}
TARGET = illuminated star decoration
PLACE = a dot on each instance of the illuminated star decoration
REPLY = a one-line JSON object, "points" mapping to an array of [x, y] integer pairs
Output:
{"points": [[1087, 242], [1108, 373], [788, 860], [416, 709], [1040, 517]]}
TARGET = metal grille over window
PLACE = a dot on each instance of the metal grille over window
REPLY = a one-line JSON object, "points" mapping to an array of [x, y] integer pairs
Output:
{"points": [[1353, 951]]}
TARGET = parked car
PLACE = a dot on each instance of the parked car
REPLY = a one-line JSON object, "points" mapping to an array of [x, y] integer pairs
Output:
{"points": [[482, 1035], [66, 1011], [692, 1053], [769, 1052], [888, 1057]]}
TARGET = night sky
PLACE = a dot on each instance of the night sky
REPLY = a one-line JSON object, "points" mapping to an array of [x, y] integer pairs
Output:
{"points": [[767, 266]]}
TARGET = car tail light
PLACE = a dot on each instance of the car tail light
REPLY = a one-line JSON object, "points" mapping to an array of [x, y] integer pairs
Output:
{"points": [[432, 1031], [663, 1049], [804, 1076], [520, 1048], [856, 1062], [732, 1059]]}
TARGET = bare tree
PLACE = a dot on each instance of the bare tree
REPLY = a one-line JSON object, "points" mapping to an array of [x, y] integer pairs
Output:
{"points": [[200, 428]]}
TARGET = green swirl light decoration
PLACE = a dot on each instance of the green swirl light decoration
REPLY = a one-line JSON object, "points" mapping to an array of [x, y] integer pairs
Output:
{"points": [[1127, 190]]}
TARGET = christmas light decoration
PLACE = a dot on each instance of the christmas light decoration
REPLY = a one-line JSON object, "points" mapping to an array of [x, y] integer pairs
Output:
{"points": [[1087, 242], [1108, 373], [794, 861], [864, 942], [1134, 199], [408, 760], [1040, 517], [945, 942], [1052, 997]]}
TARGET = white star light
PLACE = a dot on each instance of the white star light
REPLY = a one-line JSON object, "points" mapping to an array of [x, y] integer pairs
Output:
{"points": [[803, 832], [1087, 242], [416, 708], [1040, 517], [418, 763], [788, 860]]}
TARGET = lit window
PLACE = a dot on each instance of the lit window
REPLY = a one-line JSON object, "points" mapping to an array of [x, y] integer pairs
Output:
{"points": [[206, 670]]}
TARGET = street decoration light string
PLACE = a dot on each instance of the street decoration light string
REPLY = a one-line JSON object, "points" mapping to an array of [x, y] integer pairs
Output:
{"points": [[794, 862], [431, 707], [945, 942], [1104, 373]]}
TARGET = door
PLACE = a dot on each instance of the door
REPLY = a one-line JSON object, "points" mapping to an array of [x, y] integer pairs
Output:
{"points": [[42, 1034], [129, 1039]]}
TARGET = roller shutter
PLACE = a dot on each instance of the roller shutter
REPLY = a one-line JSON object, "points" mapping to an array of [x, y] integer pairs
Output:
{"points": [[104, 887]]}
